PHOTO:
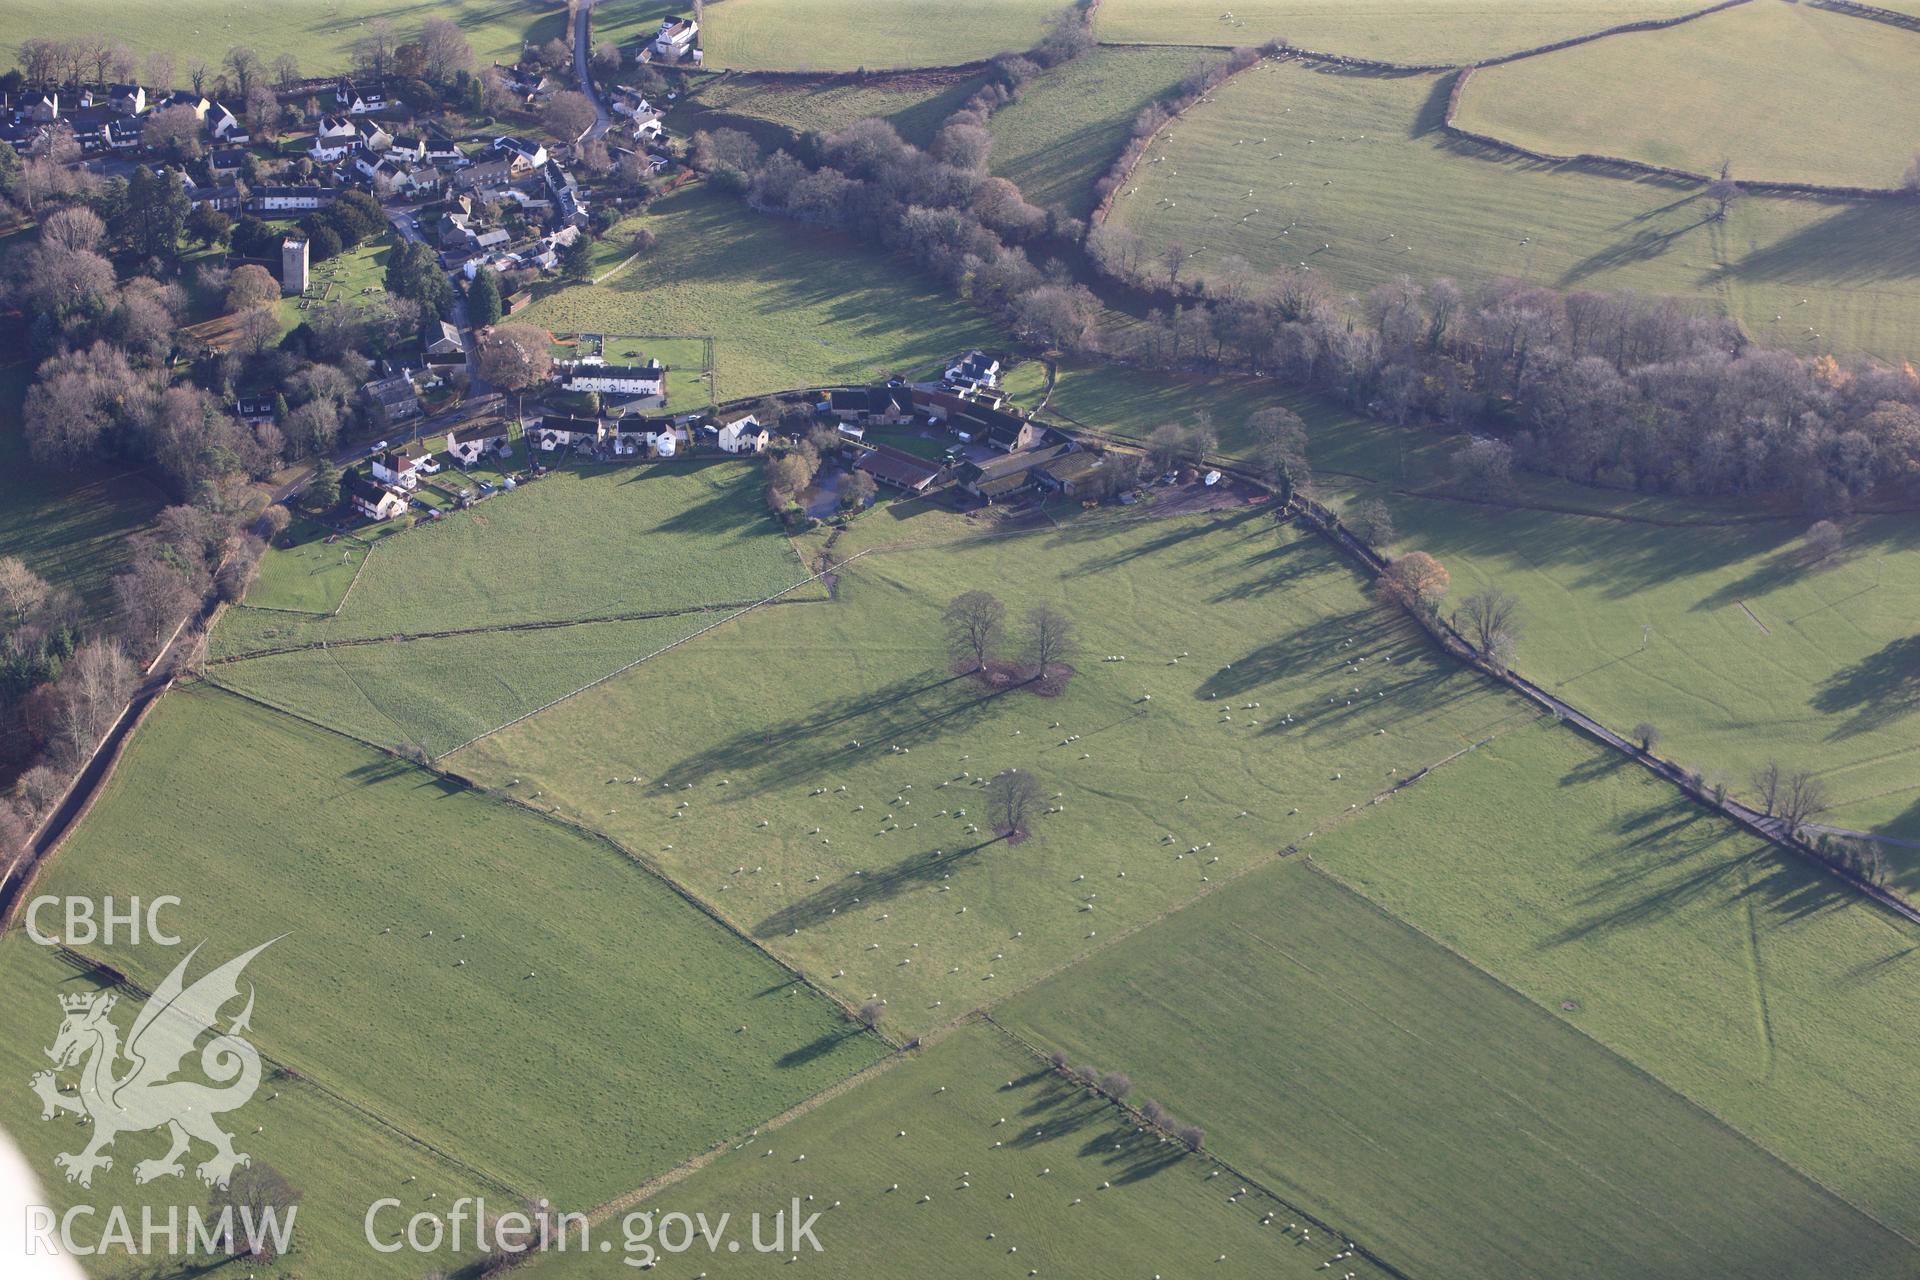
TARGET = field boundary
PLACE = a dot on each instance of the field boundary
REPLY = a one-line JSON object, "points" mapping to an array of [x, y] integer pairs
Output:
{"points": [[543, 624], [1044, 1065], [637, 661], [118, 979], [1380, 909], [1872, 13]]}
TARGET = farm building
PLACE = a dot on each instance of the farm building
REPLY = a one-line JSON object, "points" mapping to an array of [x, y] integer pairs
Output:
{"points": [[443, 339], [555, 432], [647, 379], [868, 405], [742, 435], [898, 469], [674, 40], [979, 423], [999, 478], [1079, 474], [467, 444], [395, 468]]}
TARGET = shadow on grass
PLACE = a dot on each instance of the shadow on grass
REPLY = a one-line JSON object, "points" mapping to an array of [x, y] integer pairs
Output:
{"points": [[851, 892], [1875, 691], [820, 1047]]}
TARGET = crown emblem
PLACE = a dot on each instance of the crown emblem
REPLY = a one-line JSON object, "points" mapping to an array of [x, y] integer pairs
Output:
{"points": [[76, 1003]]}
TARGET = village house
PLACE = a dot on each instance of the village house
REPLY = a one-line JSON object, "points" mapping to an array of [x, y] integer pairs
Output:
{"points": [[440, 150], [392, 399], [898, 469], [975, 369], [556, 432], [224, 125], [292, 199], [395, 469], [674, 41], [470, 443], [359, 102], [520, 153], [742, 435], [253, 410], [226, 161], [633, 435], [443, 339], [484, 175], [647, 379], [126, 99], [376, 501]]}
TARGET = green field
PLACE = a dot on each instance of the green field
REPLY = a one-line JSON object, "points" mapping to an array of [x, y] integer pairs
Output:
{"points": [[339, 1159], [1719, 585], [1075, 1189], [70, 527], [587, 1042], [311, 575], [1407, 31], [598, 542], [779, 109], [846, 35], [1329, 160], [1769, 88], [1426, 1110], [436, 694], [1070, 122], [1761, 988], [790, 306], [320, 36], [746, 724]]}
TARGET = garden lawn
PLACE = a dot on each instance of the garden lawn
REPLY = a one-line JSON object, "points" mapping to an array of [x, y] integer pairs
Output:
{"points": [[436, 694], [1071, 121], [1286, 166], [71, 528], [1406, 31], [1786, 93], [1749, 980], [844, 35], [311, 576], [790, 306], [1067, 1186], [339, 1159], [590, 543], [1170, 778], [588, 1041], [321, 37], [1425, 1110], [778, 110]]}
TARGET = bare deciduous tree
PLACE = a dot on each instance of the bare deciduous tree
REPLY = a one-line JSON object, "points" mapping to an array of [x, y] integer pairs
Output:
{"points": [[1192, 1136], [1802, 799], [1647, 735], [256, 1190], [870, 1013], [1116, 1085], [1011, 798], [1766, 781], [1373, 522], [974, 622], [1049, 637], [1822, 542], [1492, 623]]}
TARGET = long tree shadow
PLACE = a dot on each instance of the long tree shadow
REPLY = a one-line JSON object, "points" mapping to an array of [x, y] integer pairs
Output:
{"points": [[864, 891], [1643, 245], [820, 1047], [1875, 691], [870, 718]]}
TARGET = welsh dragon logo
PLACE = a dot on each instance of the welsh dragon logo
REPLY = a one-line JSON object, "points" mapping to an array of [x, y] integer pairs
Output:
{"points": [[146, 1096]]}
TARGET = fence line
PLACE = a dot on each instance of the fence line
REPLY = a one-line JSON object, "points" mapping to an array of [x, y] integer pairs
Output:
{"points": [[591, 684]]}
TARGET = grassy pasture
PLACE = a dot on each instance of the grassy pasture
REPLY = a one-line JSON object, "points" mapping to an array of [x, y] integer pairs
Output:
{"points": [[1781, 91], [791, 306], [310, 576], [1340, 152], [776, 109], [1416, 31], [592, 542], [1075, 1189], [320, 36], [1760, 988], [880, 889], [616, 1060], [1838, 693], [1428, 1111], [1071, 121], [438, 693], [70, 527], [340, 1160], [844, 35]]}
